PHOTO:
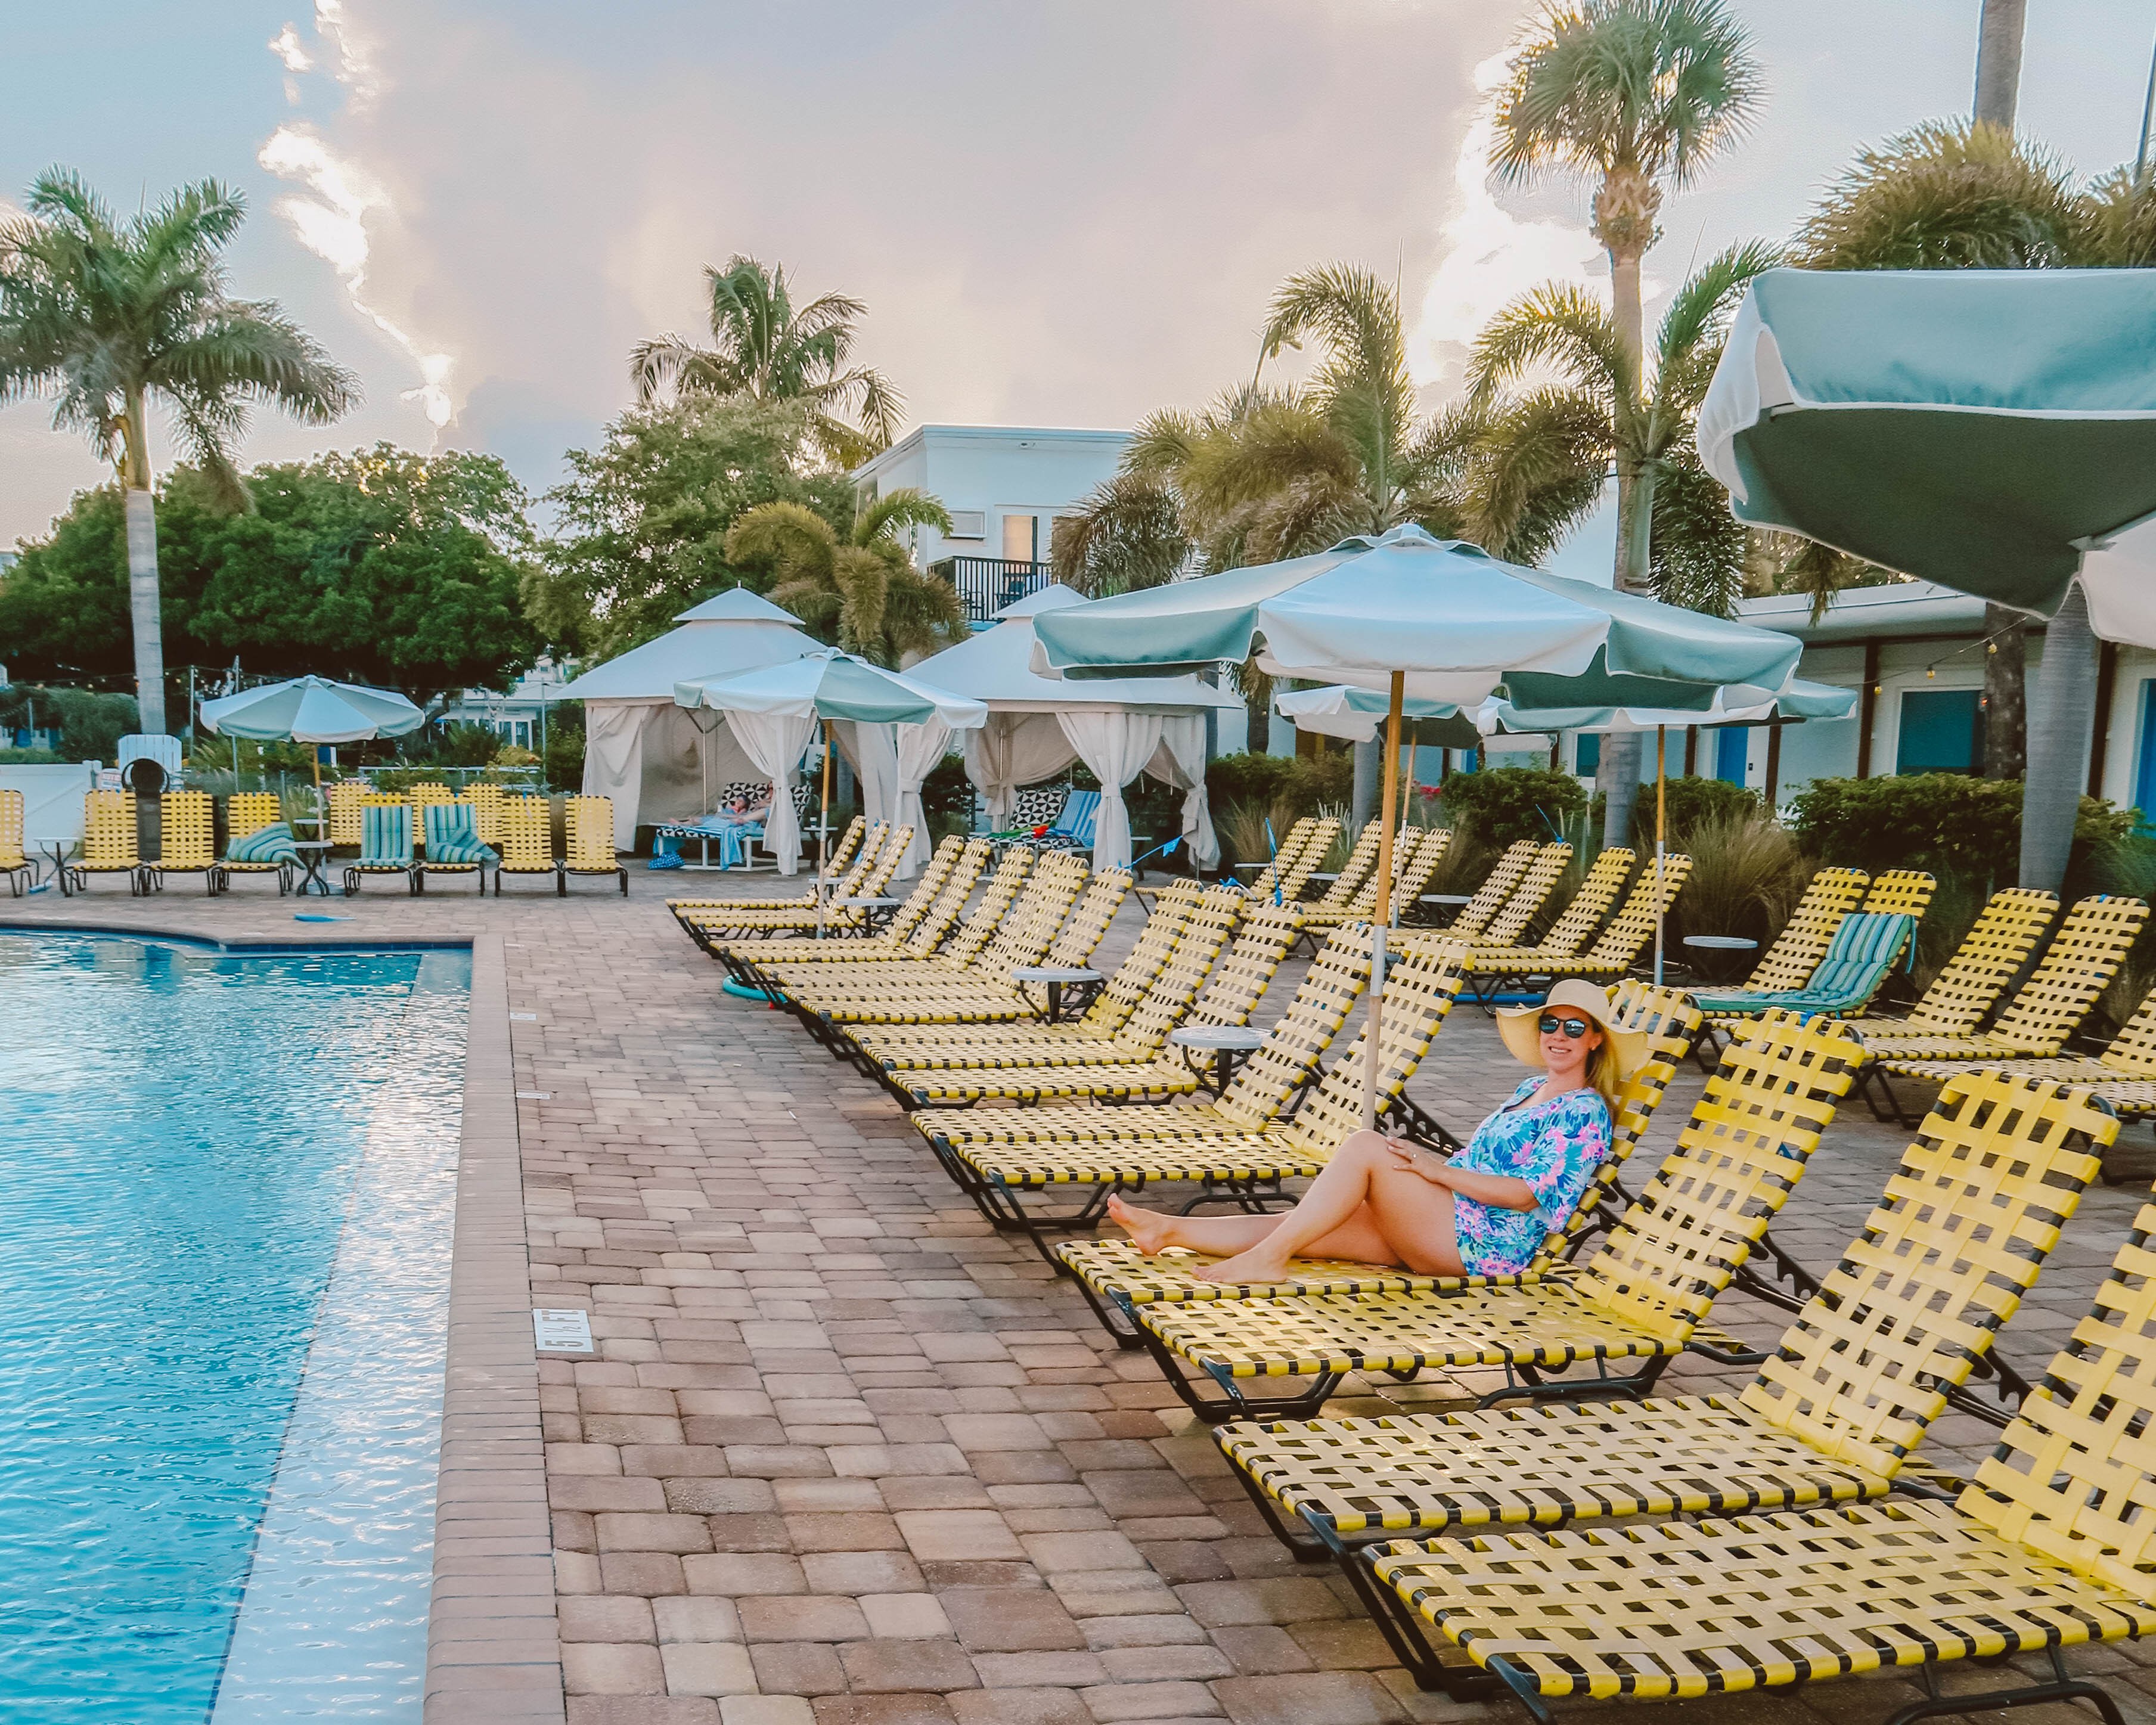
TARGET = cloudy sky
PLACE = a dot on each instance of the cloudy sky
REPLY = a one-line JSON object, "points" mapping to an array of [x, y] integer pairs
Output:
{"points": [[1059, 212]]}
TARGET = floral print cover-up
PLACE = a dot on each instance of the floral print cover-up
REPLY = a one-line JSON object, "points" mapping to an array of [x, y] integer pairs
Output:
{"points": [[1555, 1146]]}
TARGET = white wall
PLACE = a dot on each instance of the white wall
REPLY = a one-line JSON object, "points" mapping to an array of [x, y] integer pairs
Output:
{"points": [[996, 470]]}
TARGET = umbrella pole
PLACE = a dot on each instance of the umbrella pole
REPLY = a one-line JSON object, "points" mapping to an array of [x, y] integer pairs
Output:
{"points": [[1661, 809], [1383, 920], [824, 836], [321, 808]]}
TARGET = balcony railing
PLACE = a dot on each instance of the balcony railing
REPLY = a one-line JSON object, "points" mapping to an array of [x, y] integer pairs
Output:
{"points": [[985, 585]]}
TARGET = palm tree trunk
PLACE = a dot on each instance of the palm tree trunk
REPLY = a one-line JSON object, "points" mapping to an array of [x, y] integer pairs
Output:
{"points": [[2061, 718], [2005, 694], [143, 602], [1999, 61], [1258, 704], [1617, 776]]}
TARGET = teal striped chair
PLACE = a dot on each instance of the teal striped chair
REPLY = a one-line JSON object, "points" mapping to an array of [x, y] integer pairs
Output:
{"points": [[385, 843], [453, 846], [1859, 959]]}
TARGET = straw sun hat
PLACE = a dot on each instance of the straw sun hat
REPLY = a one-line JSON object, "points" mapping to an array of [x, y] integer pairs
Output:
{"points": [[1516, 1025]]}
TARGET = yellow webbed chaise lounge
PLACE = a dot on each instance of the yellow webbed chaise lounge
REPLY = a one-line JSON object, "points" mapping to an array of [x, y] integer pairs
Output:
{"points": [[526, 828], [1640, 1300], [21, 872], [860, 847], [2051, 1546], [1490, 968], [916, 928], [1955, 1242], [1990, 955], [2077, 967], [2124, 1077], [1496, 890], [587, 832], [1295, 859], [783, 964], [1118, 1278], [1416, 853], [186, 840], [880, 858], [109, 842], [247, 813]]}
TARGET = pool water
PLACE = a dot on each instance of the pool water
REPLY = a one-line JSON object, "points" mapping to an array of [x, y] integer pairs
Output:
{"points": [[225, 1187]]}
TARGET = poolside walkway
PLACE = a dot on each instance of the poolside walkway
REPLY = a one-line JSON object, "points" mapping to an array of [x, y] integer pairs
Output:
{"points": [[848, 1457]]}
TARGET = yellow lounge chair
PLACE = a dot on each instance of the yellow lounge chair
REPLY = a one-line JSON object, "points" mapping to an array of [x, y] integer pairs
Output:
{"points": [[245, 813], [1287, 875], [2077, 967], [1642, 1298], [453, 845], [423, 796], [188, 839], [2051, 1546], [1416, 853], [1955, 1241], [921, 926], [21, 872], [879, 863], [525, 827], [1498, 888], [486, 801], [109, 842], [1990, 955], [843, 868], [2124, 1077], [795, 963], [588, 834], [345, 797], [1118, 1278], [1491, 969]]}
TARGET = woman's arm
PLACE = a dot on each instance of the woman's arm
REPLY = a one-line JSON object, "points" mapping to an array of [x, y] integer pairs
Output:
{"points": [[1500, 1192]]}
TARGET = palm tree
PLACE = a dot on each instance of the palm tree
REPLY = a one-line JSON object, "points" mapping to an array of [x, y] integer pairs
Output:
{"points": [[1631, 92], [1126, 534], [862, 592], [762, 347], [106, 316]]}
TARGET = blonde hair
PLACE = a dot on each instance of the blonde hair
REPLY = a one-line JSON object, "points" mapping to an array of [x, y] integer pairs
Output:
{"points": [[1602, 1069]]}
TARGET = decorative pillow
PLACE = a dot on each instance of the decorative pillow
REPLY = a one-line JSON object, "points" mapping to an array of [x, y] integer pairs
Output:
{"points": [[265, 844]]}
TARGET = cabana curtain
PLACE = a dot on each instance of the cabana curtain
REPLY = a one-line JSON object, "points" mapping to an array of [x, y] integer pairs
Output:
{"points": [[1115, 747], [774, 742]]}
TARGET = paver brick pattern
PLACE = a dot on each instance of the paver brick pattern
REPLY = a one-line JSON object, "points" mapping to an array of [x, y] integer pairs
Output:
{"points": [[846, 1457]]}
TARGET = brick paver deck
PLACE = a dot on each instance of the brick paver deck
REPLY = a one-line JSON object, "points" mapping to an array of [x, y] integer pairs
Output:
{"points": [[847, 1456]]}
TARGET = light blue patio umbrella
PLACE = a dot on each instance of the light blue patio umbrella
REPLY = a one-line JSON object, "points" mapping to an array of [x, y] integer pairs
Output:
{"points": [[1416, 617], [312, 710]]}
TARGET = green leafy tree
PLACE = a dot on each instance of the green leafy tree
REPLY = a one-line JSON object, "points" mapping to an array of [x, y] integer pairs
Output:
{"points": [[380, 566], [642, 520], [861, 589], [106, 316], [765, 347]]}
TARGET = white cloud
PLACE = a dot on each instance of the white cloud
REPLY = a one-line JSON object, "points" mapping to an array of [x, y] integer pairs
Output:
{"points": [[332, 224], [1491, 256], [286, 46]]}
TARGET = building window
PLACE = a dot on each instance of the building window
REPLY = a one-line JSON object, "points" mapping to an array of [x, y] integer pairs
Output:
{"points": [[1942, 731], [1731, 747], [969, 524], [1021, 538]]}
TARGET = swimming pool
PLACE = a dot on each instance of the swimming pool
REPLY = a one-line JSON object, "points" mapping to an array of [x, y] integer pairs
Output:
{"points": [[226, 1190]]}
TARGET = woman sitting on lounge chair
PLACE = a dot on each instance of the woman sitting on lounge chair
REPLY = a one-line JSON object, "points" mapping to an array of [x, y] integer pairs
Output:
{"points": [[735, 820], [1484, 1211]]}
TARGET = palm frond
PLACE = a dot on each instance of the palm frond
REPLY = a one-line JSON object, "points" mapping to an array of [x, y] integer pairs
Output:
{"points": [[1945, 195], [904, 507], [1125, 534], [1560, 326], [1700, 310], [1697, 547], [790, 539]]}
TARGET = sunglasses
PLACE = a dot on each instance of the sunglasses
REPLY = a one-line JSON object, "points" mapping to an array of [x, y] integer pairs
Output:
{"points": [[1574, 1028]]}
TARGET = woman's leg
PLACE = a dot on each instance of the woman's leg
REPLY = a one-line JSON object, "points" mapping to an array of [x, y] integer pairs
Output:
{"points": [[1363, 1205]]}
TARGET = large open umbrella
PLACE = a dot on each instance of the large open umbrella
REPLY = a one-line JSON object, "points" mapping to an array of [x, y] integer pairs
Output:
{"points": [[774, 712], [312, 710], [1416, 617], [1993, 431]]}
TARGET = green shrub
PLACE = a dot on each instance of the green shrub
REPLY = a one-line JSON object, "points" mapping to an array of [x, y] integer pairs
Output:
{"points": [[1298, 783], [1506, 804], [1746, 876], [31, 757], [947, 799], [1949, 823], [565, 749], [90, 725]]}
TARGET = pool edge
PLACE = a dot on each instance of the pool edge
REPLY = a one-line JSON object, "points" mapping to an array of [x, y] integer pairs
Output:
{"points": [[493, 1637]]}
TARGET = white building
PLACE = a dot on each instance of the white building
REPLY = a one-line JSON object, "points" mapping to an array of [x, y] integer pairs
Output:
{"points": [[517, 716], [1004, 486], [1915, 653]]}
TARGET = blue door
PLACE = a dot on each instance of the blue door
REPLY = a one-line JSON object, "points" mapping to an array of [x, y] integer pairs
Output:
{"points": [[1587, 754], [1731, 748], [2144, 780]]}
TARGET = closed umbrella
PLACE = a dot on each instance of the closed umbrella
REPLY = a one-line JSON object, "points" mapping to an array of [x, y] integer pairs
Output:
{"points": [[1415, 616], [312, 710], [774, 712]]}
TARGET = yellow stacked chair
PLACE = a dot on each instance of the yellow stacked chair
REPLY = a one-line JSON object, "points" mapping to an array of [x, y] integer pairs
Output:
{"points": [[420, 796], [347, 796], [486, 801]]}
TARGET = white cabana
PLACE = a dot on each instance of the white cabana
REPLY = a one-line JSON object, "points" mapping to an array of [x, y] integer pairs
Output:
{"points": [[659, 762], [1119, 727], [775, 710]]}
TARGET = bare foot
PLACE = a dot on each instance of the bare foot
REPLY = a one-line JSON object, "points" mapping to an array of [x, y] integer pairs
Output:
{"points": [[1148, 1230], [1252, 1267]]}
